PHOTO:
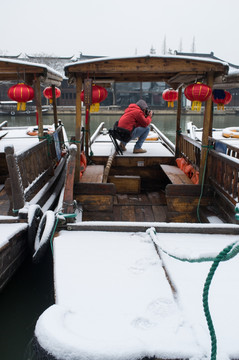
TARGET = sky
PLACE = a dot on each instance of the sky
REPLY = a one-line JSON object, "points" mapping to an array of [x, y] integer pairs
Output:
{"points": [[119, 28]]}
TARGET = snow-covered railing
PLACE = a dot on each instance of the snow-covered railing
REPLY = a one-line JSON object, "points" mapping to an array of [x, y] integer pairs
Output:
{"points": [[29, 171], [223, 174]]}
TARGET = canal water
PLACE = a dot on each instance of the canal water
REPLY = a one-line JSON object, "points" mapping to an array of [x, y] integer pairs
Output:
{"points": [[31, 290]]}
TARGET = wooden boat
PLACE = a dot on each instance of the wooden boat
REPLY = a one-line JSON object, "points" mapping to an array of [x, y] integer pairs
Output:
{"points": [[136, 237], [10, 108], [32, 170]]}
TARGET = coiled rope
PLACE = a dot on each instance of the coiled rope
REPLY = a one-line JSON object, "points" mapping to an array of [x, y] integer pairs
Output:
{"points": [[226, 254]]}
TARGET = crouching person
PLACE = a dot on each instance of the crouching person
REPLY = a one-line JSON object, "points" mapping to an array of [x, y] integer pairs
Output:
{"points": [[136, 119]]}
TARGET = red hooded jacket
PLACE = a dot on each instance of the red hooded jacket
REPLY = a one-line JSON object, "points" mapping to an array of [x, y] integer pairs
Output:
{"points": [[134, 117]]}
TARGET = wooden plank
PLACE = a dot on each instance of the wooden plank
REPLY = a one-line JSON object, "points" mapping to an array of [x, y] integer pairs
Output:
{"points": [[98, 216], [189, 190], [93, 174], [182, 217], [160, 213], [230, 229], [176, 175], [96, 202], [94, 189], [185, 204], [139, 214], [126, 184], [128, 213]]}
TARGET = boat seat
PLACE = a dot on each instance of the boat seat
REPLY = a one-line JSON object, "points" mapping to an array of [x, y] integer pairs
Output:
{"points": [[93, 174], [176, 175]]}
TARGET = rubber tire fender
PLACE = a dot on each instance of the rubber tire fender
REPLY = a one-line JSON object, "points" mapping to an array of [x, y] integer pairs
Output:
{"points": [[34, 217], [44, 233]]}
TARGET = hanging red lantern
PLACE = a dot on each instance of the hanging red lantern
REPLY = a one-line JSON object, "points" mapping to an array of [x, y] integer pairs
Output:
{"points": [[197, 93], [99, 94], [21, 93], [47, 92], [170, 96], [221, 98]]}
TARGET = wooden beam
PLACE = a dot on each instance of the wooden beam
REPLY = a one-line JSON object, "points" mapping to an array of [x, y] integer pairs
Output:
{"points": [[178, 126], [207, 128], [37, 87], [78, 127], [54, 105]]}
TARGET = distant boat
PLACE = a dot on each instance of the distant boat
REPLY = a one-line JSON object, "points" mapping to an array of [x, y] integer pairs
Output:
{"points": [[31, 173], [10, 108]]}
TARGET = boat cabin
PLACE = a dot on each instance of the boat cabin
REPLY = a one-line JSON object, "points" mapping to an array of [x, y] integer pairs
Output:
{"points": [[151, 186]]}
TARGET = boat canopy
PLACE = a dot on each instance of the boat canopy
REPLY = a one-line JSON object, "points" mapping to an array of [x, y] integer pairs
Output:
{"points": [[27, 71], [174, 70]]}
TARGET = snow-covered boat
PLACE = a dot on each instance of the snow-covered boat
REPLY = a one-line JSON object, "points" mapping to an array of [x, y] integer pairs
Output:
{"points": [[138, 235], [32, 170]]}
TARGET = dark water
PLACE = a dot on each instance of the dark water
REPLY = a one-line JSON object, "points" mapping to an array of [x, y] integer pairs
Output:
{"points": [[30, 292]]}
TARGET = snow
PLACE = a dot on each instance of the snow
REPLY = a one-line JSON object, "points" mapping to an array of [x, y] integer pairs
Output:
{"points": [[8, 230], [113, 300]]}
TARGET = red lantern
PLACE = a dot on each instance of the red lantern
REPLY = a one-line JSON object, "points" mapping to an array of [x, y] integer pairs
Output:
{"points": [[170, 96], [98, 95], [47, 92], [221, 98], [197, 93], [21, 93]]}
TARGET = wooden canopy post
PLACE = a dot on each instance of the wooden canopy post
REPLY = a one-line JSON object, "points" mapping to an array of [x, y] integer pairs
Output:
{"points": [[37, 86], [53, 88], [78, 127], [207, 128], [178, 126], [87, 102]]}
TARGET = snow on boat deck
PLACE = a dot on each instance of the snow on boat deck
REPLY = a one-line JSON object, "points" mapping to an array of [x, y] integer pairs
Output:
{"points": [[104, 147], [18, 138], [113, 300]]}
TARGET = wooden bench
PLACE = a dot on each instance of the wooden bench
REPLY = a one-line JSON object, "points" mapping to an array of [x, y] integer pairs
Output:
{"points": [[93, 174], [176, 175]]}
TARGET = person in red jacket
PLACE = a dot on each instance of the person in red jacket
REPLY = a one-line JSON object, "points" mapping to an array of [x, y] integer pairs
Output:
{"points": [[136, 119]]}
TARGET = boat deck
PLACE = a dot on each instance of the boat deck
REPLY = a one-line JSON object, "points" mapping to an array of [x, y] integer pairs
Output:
{"points": [[17, 137], [103, 146], [147, 206]]}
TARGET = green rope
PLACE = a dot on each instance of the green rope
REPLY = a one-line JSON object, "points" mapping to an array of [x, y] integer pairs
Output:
{"points": [[221, 257], [226, 254], [55, 226], [203, 179], [234, 250]]}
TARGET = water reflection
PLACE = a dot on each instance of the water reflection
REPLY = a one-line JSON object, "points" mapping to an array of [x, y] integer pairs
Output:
{"points": [[166, 123]]}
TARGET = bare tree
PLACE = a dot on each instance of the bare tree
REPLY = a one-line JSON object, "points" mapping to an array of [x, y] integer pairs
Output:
{"points": [[193, 48], [164, 47], [152, 50]]}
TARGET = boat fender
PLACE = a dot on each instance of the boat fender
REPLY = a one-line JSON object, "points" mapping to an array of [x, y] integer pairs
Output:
{"points": [[44, 233], [188, 170], [181, 162], [195, 177], [34, 216], [83, 163]]}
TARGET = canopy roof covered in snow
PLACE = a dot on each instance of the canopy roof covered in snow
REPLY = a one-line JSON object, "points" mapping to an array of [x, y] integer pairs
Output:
{"points": [[173, 70], [27, 71]]}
